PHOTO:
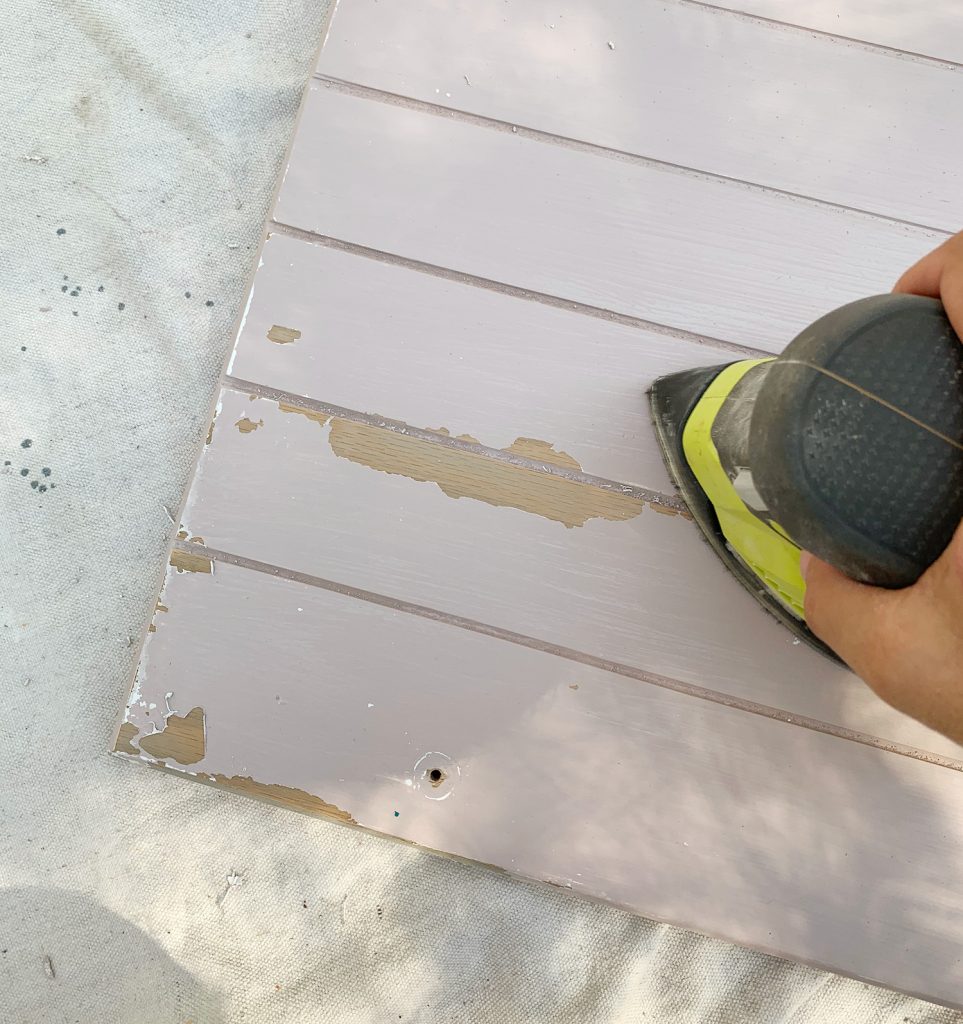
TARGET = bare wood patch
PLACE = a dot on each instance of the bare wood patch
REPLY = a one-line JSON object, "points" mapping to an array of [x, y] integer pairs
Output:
{"points": [[283, 335], [248, 426], [287, 795], [668, 510], [542, 451], [462, 474], [182, 738], [188, 561], [321, 418], [445, 432], [124, 744]]}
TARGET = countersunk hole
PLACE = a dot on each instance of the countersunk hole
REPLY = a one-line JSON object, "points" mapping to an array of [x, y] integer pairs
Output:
{"points": [[435, 776]]}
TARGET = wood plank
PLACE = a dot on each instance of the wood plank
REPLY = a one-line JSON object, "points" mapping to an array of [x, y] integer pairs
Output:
{"points": [[374, 509], [785, 839], [712, 257], [934, 29], [437, 353], [685, 84]]}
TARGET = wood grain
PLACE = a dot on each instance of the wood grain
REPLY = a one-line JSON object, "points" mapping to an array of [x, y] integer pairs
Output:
{"points": [[711, 257], [680, 83], [645, 592], [675, 808], [181, 740], [437, 353]]}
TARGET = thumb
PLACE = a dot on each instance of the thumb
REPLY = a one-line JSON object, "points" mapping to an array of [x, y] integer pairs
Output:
{"points": [[850, 617]]}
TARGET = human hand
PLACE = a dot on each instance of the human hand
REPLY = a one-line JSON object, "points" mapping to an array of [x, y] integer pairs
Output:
{"points": [[906, 644]]}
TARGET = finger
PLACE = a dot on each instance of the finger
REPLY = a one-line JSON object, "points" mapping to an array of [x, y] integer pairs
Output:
{"points": [[923, 278], [951, 292], [939, 275], [848, 616]]}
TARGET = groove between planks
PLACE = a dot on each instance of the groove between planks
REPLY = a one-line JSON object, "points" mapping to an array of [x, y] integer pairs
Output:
{"points": [[667, 501], [214, 555], [366, 92], [913, 56], [526, 294]]}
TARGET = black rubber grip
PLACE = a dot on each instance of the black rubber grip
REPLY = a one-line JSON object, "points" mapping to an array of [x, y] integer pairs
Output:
{"points": [[856, 438]]}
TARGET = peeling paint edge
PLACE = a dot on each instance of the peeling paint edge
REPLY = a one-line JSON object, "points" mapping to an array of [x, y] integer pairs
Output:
{"points": [[311, 406]]}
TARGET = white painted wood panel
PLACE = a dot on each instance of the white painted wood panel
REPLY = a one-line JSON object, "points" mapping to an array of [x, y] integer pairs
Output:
{"points": [[781, 838], [680, 83], [716, 258], [645, 591], [437, 353], [934, 28]]}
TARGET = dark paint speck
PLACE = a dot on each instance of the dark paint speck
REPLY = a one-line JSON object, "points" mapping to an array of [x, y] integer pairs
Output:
{"points": [[76, 313], [24, 472], [63, 288], [42, 488], [45, 471], [101, 288], [6, 462], [120, 305], [26, 443], [75, 293], [34, 484], [23, 348], [210, 302], [187, 295], [61, 231]]}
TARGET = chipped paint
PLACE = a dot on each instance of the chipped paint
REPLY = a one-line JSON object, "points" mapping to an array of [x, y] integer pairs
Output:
{"points": [[321, 418], [541, 451], [462, 474], [283, 335], [287, 795], [667, 510], [158, 607], [182, 739], [188, 561], [445, 432], [126, 735], [217, 412], [246, 426]]}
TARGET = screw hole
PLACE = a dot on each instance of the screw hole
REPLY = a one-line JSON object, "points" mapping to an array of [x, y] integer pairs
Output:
{"points": [[435, 776]]}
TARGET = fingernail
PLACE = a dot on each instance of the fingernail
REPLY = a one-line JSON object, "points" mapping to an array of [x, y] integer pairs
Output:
{"points": [[804, 559]]}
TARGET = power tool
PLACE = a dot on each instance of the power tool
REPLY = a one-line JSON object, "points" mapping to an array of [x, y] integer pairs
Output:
{"points": [[849, 445]]}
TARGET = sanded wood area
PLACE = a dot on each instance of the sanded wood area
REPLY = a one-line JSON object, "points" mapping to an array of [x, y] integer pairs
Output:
{"points": [[431, 579]]}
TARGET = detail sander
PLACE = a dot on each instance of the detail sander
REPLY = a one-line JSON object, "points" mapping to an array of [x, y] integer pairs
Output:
{"points": [[848, 445]]}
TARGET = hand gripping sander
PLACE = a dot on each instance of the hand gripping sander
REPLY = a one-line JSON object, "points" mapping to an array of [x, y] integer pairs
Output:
{"points": [[848, 445]]}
